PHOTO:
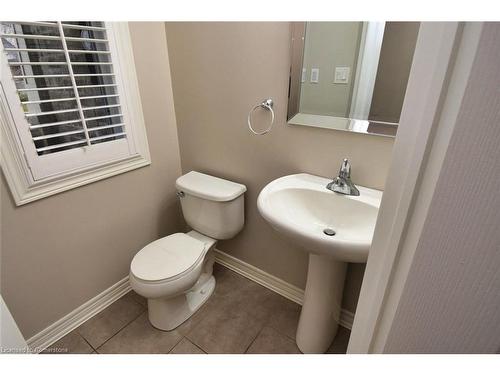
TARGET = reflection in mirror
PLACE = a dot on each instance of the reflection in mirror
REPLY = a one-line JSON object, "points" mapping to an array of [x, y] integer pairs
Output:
{"points": [[350, 75]]}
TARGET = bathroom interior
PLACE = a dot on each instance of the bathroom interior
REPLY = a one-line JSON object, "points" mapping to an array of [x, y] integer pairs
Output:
{"points": [[249, 187]]}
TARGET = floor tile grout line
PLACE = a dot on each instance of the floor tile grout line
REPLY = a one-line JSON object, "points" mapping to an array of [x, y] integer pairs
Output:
{"points": [[135, 318], [84, 339], [177, 343], [278, 332], [255, 338], [199, 311], [182, 338], [196, 345], [282, 334], [121, 329]]}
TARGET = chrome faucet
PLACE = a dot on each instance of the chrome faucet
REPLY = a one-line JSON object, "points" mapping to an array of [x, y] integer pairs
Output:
{"points": [[342, 183]]}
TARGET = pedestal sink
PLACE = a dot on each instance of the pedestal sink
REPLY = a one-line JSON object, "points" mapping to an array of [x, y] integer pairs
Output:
{"points": [[335, 229]]}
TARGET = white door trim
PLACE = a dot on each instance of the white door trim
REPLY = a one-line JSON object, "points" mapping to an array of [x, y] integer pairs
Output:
{"points": [[11, 339], [443, 59]]}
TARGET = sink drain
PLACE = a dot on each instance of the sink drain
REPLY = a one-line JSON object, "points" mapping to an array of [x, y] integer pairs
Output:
{"points": [[329, 232]]}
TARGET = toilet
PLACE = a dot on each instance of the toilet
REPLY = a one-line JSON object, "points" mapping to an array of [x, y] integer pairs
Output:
{"points": [[174, 273]]}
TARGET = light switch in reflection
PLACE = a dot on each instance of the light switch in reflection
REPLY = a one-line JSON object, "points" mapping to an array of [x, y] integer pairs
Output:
{"points": [[304, 73], [314, 75], [342, 74]]}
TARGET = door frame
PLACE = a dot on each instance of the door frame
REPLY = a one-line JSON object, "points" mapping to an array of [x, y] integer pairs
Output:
{"points": [[443, 59]]}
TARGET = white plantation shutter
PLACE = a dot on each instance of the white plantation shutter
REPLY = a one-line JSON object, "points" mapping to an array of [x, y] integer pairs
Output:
{"points": [[66, 95]]}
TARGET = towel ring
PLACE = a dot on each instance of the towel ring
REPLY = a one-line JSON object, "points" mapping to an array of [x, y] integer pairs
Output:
{"points": [[266, 104]]}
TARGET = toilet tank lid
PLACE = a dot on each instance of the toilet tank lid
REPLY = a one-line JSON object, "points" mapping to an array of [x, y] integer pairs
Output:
{"points": [[209, 187]]}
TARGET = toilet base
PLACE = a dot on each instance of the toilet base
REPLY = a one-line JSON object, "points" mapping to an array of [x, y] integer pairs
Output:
{"points": [[169, 313]]}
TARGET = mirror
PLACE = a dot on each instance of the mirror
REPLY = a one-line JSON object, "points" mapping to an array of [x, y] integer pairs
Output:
{"points": [[350, 75]]}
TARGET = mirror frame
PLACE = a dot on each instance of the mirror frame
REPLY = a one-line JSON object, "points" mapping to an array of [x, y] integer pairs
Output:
{"points": [[365, 75]]}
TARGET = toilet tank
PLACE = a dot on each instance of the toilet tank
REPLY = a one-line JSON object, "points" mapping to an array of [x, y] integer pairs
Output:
{"points": [[211, 205]]}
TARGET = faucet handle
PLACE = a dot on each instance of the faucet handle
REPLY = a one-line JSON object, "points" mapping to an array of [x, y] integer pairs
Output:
{"points": [[345, 169]]}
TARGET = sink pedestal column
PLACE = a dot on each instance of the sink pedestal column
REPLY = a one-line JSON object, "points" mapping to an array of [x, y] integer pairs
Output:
{"points": [[320, 314]]}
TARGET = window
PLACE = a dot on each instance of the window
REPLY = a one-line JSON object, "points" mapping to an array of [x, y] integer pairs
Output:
{"points": [[69, 106]]}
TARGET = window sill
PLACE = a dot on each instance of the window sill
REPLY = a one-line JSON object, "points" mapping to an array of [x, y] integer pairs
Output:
{"points": [[24, 193]]}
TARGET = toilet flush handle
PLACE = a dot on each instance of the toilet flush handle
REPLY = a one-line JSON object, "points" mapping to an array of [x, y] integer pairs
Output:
{"points": [[181, 194]]}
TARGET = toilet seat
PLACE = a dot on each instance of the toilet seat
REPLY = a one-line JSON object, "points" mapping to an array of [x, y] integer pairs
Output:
{"points": [[168, 258]]}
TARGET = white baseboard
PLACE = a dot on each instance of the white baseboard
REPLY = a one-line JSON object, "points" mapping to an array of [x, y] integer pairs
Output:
{"points": [[80, 315], [346, 319], [273, 283], [77, 317]]}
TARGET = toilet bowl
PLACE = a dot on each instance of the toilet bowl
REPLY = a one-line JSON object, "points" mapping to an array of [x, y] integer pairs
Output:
{"points": [[174, 273]]}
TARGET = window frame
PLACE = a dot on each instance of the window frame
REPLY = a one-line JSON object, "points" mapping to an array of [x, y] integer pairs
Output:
{"points": [[14, 160]]}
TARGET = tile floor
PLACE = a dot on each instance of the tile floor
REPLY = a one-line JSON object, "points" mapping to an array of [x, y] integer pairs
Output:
{"points": [[240, 317]]}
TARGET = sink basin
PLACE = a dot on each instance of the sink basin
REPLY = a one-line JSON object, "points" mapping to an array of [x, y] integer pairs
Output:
{"points": [[300, 207], [335, 229]]}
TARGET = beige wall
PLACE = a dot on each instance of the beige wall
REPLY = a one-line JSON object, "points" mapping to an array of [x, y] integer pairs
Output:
{"points": [[59, 252], [329, 45], [220, 71]]}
